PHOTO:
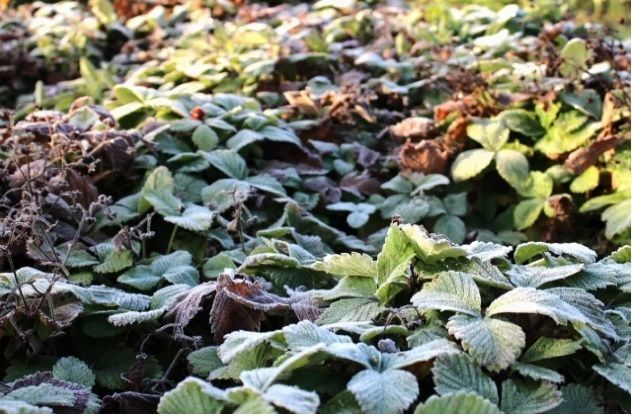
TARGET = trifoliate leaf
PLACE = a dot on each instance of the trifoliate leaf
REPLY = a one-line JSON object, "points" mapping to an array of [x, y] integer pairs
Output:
{"points": [[450, 291], [71, 369], [458, 373], [387, 392], [495, 344], [462, 402], [528, 398], [192, 396]]}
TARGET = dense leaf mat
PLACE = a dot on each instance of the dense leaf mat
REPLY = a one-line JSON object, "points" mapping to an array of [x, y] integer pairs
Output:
{"points": [[335, 207]]}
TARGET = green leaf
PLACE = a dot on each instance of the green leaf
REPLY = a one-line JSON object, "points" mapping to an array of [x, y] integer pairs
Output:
{"points": [[215, 265], [545, 348], [522, 276], [205, 138], [350, 310], [111, 260], [527, 212], [452, 227], [537, 372], [175, 268], [393, 263], [457, 403], [305, 334], [158, 193], [522, 121], [225, 193], [575, 56], [11, 406], [456, 203], [274, 133], [430, 248], [242, 138], [491, 134], [587, 101], [347, 265], [513, 167], [387, 392], [292, 398], [578, 399], [495, 344], [249, 400], [458, 373], [343, 403], [535, 301], [527, 398], [450, 291], [587, 181], [123, 319], [616, 373], [71, 369], [527, 251], [204, 361], [194, 218], [240, 341], [228, 162], [470, 163], [617, 218], [192, 396]]}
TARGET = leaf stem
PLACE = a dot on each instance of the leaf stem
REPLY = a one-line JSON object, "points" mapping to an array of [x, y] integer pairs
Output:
{"points": [[173, 235]]}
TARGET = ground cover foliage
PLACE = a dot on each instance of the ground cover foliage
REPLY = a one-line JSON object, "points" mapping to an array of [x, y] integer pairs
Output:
{"points": [[328, 207]]}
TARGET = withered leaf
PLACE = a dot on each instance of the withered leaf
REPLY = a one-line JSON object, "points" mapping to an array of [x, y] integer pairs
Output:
{"points": [[129, 403], [416, 128], [241, 304], [360, 184], [428, 156], [188, 304]]}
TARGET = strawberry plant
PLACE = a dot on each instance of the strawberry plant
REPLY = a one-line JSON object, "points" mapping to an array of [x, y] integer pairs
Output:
{"points": [[327, 207]]}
